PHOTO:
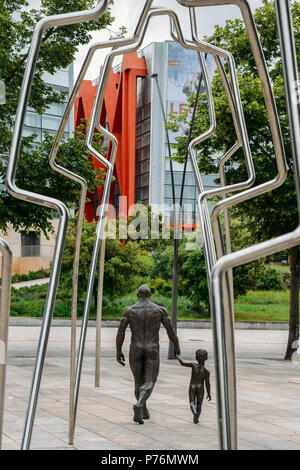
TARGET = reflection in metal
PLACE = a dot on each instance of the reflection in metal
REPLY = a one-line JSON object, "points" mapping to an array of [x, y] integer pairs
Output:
{"points": [[4, 316], [55, 204], [223, 325]]}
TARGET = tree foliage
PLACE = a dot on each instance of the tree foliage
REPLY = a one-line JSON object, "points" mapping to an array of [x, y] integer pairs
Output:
{"points": [[58, 48], [35, 174], [248, 276], [262, 211], [125, 263], [272, 213]]}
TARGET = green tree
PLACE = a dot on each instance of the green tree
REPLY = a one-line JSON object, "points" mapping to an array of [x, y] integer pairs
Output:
{"points": [[248, 276], [35, 174], [58, 49], [192, 281], [125, 263], [273, 213]]}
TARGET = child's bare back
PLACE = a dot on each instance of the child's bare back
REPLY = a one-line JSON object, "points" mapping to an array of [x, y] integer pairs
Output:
{"points": [[199, 373], [199, 377]]}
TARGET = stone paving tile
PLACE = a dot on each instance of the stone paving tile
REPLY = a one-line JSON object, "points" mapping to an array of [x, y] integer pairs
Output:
{"points": [[8, 443], [42, 439], [281, 445], [268, 414]]}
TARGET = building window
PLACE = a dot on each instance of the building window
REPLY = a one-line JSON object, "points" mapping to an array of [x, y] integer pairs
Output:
{"points": [[30, 244]]}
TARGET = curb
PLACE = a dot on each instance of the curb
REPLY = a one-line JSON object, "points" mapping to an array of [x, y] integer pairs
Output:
{"points": [[197, 324]]}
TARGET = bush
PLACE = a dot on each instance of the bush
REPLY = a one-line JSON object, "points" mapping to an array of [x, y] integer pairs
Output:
{"points": [[117, 305], [271, 280], [31, 276], [286, 279], [159, 286], [124, 263]]}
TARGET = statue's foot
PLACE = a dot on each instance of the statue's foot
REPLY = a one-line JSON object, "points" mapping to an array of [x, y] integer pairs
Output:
{"points": [[196, 419], [145, 413], [137, 418]]}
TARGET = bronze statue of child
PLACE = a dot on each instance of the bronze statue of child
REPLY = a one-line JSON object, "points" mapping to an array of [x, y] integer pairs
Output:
{"points": [[200, 375]]}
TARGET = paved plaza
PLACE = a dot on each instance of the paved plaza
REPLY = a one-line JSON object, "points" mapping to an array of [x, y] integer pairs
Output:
{"points": [[268, 395]]}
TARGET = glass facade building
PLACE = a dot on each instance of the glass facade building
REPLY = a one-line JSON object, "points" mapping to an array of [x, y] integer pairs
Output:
{"points": [[49, 121], [177, 73]]}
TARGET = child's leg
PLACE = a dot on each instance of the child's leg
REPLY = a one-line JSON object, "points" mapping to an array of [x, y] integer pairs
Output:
{"points": [[199, 400], [192, 398]]}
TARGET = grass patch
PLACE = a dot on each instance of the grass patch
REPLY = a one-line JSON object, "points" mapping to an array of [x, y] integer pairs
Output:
{"points": [[254, 306], [282, 268], [263, 306], [30, 301]]}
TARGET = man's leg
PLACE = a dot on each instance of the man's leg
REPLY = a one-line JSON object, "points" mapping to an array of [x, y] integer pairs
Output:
{"points": [[151, 373], [137, 369]]}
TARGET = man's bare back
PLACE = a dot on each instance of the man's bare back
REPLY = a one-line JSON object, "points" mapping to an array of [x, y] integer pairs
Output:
{"points": [[144, 319]]}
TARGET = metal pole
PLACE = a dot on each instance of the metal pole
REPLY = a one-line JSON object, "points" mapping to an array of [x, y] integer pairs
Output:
{"points": [[176, 222], [80, 216], [291, 78], [4, 316], [99, 313], [42, 25], [79, 223]]}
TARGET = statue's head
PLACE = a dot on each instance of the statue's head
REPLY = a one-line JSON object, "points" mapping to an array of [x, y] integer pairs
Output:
{"points": [[201, 355], [144, 292]]}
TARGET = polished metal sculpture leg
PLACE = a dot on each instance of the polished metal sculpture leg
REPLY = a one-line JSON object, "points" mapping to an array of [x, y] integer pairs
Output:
{"points": [[42, 25], [4, 316]]}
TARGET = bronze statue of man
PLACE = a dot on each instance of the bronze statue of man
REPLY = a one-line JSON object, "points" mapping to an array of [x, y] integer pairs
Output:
{"points": [[144, 319]]}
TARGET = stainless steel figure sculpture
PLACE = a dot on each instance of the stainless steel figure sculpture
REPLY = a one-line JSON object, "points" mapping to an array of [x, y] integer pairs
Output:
{"points": [[80, 215], [41, 27], [107, 44], [94, 122], [218, 264], [223, 325], [4, 316]]}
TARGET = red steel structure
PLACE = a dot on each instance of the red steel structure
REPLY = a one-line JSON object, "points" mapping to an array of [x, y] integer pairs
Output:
{"points": [[119, 113]]}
